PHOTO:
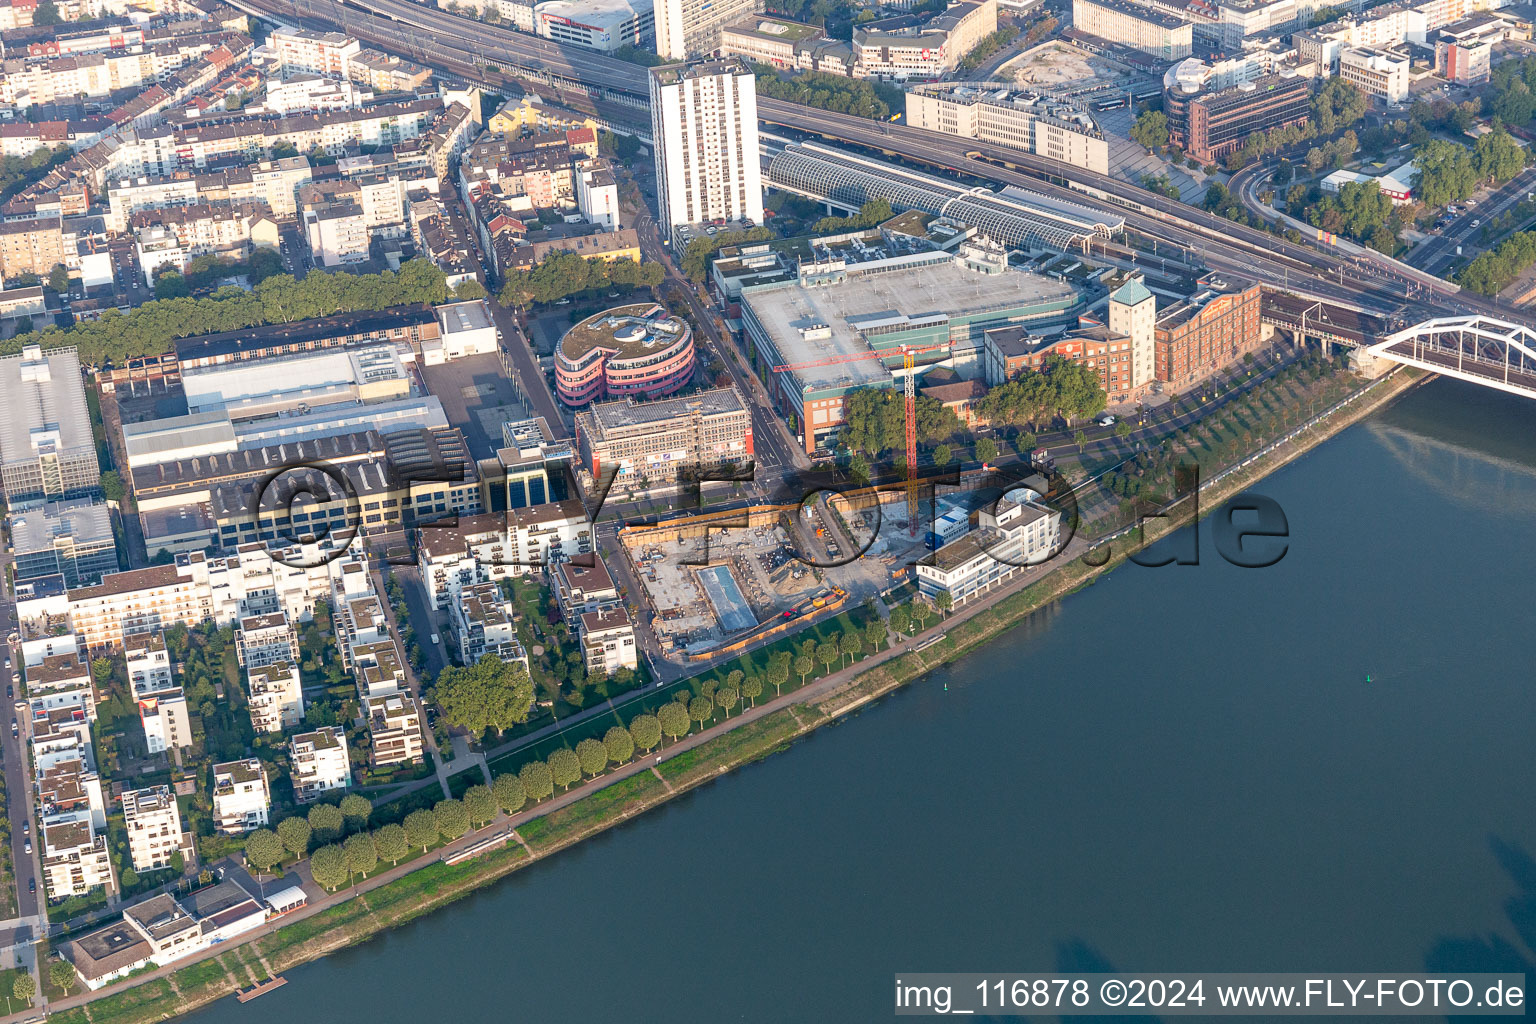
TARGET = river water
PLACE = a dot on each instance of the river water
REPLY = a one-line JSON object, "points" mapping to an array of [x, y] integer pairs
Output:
{"points": [[1176, 769]]}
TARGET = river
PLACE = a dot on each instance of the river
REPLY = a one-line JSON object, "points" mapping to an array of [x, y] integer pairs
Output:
{"points": [[1176, 769]]}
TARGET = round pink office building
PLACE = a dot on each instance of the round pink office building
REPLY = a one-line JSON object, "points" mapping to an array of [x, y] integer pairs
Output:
{"points": [[640, 350]]}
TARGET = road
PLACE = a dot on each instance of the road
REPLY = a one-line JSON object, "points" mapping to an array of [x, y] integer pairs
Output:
{"points": [[18, 785], [1439, 251], [774, 446]]}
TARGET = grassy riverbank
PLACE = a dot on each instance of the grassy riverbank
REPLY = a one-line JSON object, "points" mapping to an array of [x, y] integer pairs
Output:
{"points": [[611, 802]]}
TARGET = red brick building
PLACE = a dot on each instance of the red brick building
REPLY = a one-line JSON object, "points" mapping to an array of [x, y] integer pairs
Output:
{"points": [[1198, 336]]}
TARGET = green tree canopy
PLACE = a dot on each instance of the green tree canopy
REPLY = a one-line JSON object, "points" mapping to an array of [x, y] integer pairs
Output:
{"points": [[61, 973], [646, 732], [491, 694], [564, 767], [294, 832], [593, 756], [1150, 129], [355, 811], [328, 867], [672, 718], [25, 986], [421, 828], [361, 853], [392, 843], [480, 802], [1444, 173], [325, 823], [618, 744], [451, 817], [509, 792], [537, 780], [263, 850], [701, 709]]}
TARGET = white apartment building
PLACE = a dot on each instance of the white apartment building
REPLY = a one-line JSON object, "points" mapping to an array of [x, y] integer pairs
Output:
{"points": [[995, 112], [196, 588], [692, 28], [394, 723], [308, 93], [61, 682], [378, 667], [1375, 72], [266, 639], [481, 620], [1008, 538], [597, 194], [75, 859], [165, 720], [1130, 24], [242, 800], [277, 697], [323, 53], [1133, 313], [148, 662], [154, 827], [608, 640], [337, 233], [318, 763], [704, 123]]}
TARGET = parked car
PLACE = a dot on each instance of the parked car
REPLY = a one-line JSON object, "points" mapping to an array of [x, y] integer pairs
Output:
{"points": [[1106, 420], [27, 846], [31, 885]]}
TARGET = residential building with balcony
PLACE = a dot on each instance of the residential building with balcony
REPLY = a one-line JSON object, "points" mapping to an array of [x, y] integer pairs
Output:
{"points": [[242, 799]]}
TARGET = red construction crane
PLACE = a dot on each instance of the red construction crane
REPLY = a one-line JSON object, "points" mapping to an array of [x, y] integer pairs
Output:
{"points": [[908, 355]]}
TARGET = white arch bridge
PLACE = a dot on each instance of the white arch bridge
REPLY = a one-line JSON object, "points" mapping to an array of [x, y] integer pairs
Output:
{"points": [[1478, 349]]}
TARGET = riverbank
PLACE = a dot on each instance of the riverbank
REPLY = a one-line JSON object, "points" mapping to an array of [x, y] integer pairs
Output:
{"points": [[642, 785]]}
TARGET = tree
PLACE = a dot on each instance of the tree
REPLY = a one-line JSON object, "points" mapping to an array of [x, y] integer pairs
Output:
{"points": [[328, 867], [874, 633], [778, 671], [701, 709], [1123, 429], [537, 781], [101, 671], [828, 654], [392, 843], [451, 818], [46, 13], [944, 601], [481, 805], [986, 449], [263, 850], [942, 455], [851, 645], [355, 811], [564, 767], [804, 666], [421, 828], [727, 697], [593, 756], [618, 744], [1080, 439], [1151, 129], [490, 694], [25, 986], [362, 856], [294, 832], [325, 823], [129, 878], [112, 485], [61, 973], [646, 732], [1497, 157], [901, 620], [751, 689], [1445, 174], [509, 792], [673, 719], [1338, 104]]}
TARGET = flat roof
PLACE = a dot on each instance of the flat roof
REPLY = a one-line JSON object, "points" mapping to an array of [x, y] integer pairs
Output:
{"points": [[253, 339], [629, 331], [630, 413], [944, 289], [777, 28], [457, 317], [83, 520], [42, 392]]}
